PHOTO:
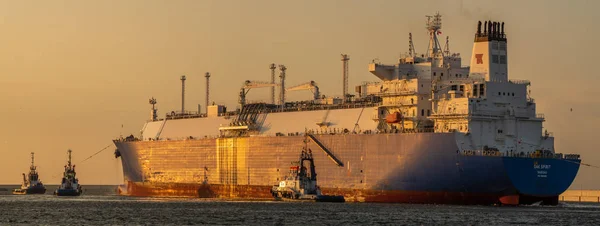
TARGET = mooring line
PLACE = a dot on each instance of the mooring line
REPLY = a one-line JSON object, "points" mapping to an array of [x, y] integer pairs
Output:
{"points": [[581, 163], [101, 150]]}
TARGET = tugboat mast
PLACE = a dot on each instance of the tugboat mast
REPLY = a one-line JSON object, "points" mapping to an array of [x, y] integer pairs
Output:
{"points": [[32, 166], [69, 162]]}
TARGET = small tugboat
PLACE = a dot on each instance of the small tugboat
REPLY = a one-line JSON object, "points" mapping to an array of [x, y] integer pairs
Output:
{"points": [[301, 184], [70, 184], [31, 182]]}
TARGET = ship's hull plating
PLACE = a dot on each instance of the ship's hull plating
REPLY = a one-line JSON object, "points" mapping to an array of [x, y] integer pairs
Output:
{"points": [[409, 168], [67, 192], [30, 190]]}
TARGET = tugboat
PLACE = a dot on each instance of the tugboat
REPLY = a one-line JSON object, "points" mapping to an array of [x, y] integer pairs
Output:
{"points": [[70, 184], [301, 184], [31, 183]]}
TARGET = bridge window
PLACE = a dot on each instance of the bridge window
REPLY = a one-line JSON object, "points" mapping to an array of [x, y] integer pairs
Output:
{"points": [[442, 74], [499, 93], [434, 73], [422, 112], [495, 59], [462, 88], [428, 113], [513, 94], [481, 89]]}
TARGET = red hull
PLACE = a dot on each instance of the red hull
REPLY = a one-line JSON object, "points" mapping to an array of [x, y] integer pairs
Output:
{"points": [[264, 193]]}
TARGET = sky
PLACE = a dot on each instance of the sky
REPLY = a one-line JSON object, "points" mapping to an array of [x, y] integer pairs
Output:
{"points": [[77, 74]]}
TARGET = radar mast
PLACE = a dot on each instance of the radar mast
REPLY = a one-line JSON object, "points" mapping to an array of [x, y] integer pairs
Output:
{"points": [[434, 24]]}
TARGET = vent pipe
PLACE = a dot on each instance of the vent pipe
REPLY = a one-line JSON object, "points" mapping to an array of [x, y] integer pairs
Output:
{"points": [[207, 75], [273, 82], [182, 94], [345, 76], [282, 87]]}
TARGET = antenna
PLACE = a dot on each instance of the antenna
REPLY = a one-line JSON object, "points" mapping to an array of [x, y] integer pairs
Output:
{"points": [[433, 26], [411, 46], [182, 94], [447, 47], [207, 75], [282, 88], [272, 67], [345, 59]]}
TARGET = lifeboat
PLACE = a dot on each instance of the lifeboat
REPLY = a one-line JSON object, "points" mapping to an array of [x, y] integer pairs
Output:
{"points": [[394, 117]]}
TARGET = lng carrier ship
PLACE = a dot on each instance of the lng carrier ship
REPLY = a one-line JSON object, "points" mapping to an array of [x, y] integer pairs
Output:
{"points": [[429, 131]]}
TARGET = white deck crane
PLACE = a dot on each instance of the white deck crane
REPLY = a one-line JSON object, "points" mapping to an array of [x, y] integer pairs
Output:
{"points": [[252, 84], [312, 86]]}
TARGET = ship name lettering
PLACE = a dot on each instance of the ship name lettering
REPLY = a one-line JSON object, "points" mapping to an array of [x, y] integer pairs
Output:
{"points": [[542, 166]]}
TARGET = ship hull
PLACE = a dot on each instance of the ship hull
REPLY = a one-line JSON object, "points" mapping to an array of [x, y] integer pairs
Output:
{"points": [[399, 168], [30, 190], [67, 192]]}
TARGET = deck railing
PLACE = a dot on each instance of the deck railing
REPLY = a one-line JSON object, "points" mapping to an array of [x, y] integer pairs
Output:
{"points": [[536, 154]]}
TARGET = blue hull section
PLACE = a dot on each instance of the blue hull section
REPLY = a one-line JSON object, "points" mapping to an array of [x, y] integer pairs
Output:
{"points": [[541, 177]]}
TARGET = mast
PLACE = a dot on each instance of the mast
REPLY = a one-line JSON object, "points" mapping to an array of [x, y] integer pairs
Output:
{"points": [[153, 115], [434, 24], [69, 162], [411, 46], [282, 88], [447, 47], [272, 67], [32, 166]]}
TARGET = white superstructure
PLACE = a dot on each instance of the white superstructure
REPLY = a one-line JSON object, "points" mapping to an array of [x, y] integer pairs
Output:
{"points": [[429, 92], [480, 103]]}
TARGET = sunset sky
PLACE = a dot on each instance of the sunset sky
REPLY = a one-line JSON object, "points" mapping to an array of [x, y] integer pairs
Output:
{"points": [[77, 74]]}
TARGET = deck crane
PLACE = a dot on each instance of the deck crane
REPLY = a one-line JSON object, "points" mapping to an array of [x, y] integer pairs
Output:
{"points": [[312, 86], [252, 84]]}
